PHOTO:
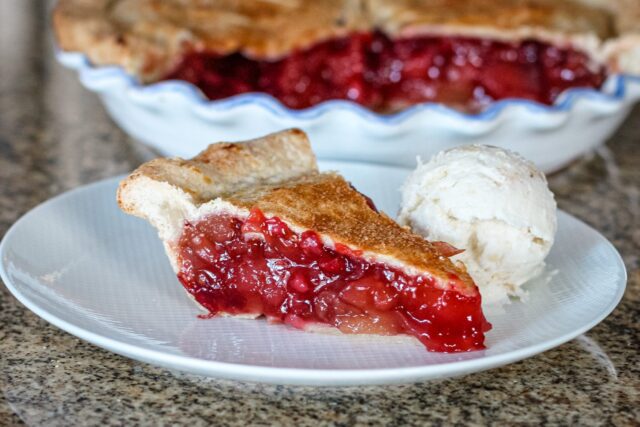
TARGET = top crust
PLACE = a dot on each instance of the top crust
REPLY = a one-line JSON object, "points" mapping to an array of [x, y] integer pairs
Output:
{"points": [[149, 37], [278, 175], [226, 168], [561, 23]]}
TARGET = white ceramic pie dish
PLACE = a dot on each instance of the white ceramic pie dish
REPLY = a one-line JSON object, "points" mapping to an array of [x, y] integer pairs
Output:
{"points": [[176, 119]]}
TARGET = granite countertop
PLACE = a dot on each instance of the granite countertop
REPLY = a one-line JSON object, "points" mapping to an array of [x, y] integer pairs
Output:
{"points": [[54, 136]]}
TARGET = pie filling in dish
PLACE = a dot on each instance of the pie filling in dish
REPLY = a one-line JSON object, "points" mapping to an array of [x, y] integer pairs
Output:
{"points": [[259, 266], [255, 230], [387, 75], [383, 54]]}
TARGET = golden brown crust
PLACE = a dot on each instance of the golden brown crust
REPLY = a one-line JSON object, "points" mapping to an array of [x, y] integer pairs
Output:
{"points": [[622, 53], [510, 19], [225, 168], [278, 175], [606, 30], [147, 37]]}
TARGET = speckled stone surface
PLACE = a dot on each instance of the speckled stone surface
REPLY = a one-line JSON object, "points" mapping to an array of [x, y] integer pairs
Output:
{"points": [[54, 135]]}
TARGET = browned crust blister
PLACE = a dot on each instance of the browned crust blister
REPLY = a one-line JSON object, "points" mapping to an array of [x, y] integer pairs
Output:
{"points": [[149, 37], [278, 175]]}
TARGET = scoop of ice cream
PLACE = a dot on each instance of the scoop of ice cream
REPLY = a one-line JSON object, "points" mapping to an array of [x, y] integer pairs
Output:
{"points": [[490, 202]]}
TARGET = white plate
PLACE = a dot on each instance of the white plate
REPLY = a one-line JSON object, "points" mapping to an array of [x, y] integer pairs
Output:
{"points": [[82, 265]]}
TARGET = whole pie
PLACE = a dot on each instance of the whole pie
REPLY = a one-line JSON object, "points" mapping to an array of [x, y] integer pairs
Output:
{"points": [[383, 54], [253, 229]]}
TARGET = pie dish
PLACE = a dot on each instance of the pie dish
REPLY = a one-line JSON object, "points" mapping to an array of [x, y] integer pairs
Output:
{"points": [[383, 54], [175, 118], [254, 229]]}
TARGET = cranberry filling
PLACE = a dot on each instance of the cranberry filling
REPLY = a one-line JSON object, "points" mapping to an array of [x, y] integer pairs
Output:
{"points": [[386, 75], [260, 266]]}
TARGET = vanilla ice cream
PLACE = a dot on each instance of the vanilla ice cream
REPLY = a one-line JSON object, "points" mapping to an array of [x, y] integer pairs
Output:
{"points": [[493, 204]]}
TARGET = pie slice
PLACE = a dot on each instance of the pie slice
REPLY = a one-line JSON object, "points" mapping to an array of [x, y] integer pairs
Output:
{"points": [[383, 54], [253, 229]]}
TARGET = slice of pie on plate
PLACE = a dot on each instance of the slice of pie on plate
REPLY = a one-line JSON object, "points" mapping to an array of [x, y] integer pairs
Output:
{"points": [[254, 229]]}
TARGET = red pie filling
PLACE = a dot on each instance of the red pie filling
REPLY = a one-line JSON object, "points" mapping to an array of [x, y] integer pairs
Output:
{"points": [[260, 266], [386, 75]]}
